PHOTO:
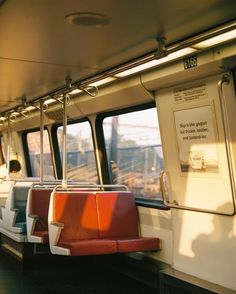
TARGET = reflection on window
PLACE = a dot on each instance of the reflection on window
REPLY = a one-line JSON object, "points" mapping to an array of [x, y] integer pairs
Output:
{"points": [[81, 166], [33, 141], [134, 151]]}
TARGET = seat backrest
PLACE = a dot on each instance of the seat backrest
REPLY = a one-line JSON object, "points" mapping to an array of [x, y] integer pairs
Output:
{"points": [[78, 212], [19, 201], [5, 190], [117, 214], [39, 205]]}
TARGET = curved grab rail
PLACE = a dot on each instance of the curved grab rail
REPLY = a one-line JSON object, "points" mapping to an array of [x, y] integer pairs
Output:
{"points": [[226, 80], [25, 113], [90, 90], [163, 188], [175, 204]]}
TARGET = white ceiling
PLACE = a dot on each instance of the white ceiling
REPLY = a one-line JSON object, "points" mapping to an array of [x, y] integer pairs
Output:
{"points": [[38, 49]]}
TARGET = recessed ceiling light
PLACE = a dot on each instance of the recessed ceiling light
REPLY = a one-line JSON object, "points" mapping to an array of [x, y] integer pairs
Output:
{"points": [[230, 35], [102, 82], [87, 19]]}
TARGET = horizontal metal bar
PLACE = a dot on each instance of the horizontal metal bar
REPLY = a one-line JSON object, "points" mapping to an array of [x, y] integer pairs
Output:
{"points": [[175, 205], [89, 186]]}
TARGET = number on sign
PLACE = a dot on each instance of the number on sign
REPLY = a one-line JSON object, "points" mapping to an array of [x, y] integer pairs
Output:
{"points": [[190, 62]]}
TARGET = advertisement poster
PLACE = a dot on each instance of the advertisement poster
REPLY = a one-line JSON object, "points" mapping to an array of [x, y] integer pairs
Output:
{"points": [[197, 140]]}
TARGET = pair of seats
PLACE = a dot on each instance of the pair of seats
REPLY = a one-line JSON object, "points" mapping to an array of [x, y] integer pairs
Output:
{"points": [[13, 210], [92, 223], [24, 210]]}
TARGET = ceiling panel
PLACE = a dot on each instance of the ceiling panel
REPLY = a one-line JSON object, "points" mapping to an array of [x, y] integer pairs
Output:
{"points": [[38, 48]]}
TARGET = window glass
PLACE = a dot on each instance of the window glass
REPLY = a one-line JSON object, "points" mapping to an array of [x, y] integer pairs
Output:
{"points": [[33, 141], [134, 151], [81, 164]]}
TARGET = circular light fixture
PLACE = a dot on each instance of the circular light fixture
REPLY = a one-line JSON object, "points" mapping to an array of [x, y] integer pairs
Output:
{"points": [[87, 19]]}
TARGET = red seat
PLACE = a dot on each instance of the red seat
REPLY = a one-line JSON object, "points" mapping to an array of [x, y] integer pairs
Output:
{"points": [[117, 214], [137, 244], [92, 223], [90, 246], [40, 199], [118, 220], [78, 212]]}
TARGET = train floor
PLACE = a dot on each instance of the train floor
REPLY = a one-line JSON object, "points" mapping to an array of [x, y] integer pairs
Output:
{"points": [[83, 275]]}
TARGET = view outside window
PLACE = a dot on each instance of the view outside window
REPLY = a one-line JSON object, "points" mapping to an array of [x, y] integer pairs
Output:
{"points": [[81, 164], [33, 141], [134, 151]]}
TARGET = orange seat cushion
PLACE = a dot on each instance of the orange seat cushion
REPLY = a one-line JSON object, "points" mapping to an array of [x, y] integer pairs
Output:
{"points": [[137, 244], [90, 247], [78, 212], [117, 214]]}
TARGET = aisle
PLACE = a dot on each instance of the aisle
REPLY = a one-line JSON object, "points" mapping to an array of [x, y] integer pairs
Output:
{"points": [[83, 275]]}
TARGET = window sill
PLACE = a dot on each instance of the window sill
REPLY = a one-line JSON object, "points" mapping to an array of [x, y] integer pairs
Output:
{"points": [[158, 204]]}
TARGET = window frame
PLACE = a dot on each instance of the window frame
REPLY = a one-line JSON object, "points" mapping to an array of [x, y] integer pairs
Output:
{"points": [[106, 174]]}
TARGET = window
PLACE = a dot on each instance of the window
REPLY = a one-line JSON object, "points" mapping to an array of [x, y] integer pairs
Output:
{"points": [[33, 143], [81, 164], [134, 151]]}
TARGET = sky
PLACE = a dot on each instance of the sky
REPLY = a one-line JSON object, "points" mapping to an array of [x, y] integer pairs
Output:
{"points": [[141, 126]]}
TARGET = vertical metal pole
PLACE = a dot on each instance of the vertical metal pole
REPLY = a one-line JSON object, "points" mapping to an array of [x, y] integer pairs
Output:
{"points": [[226, 80], [8, 149], [64, 150], [41, 140]]}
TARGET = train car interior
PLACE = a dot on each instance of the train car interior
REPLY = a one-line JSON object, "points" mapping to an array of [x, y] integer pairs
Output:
{"points": [[118, 146]]}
